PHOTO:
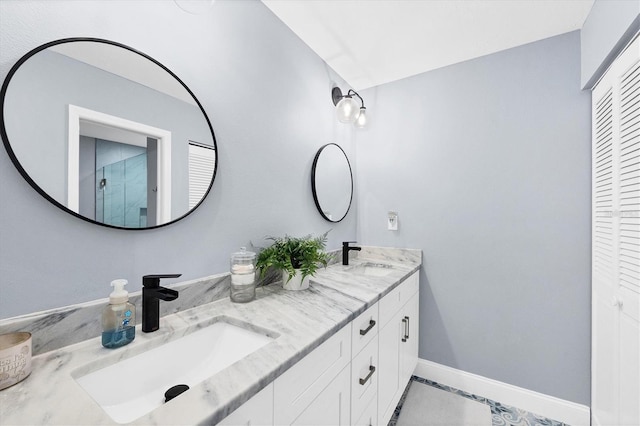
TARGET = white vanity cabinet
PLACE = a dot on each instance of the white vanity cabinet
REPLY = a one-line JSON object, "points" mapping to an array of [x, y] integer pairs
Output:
{"points": [[356, 377], [398, 345]]}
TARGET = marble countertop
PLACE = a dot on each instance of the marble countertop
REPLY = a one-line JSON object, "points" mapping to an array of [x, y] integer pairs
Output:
{"points": [[301, 320]]}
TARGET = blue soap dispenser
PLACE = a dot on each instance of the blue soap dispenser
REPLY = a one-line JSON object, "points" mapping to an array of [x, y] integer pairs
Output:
{"points": [[118, 318]]}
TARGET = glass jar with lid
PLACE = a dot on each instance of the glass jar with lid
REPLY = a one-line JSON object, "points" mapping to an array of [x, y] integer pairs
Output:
{"points": [[243, 276]]}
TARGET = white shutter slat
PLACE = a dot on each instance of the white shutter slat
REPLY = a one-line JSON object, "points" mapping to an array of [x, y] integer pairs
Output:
{"points": [[201, 165], [603, 189], [629, 180]]}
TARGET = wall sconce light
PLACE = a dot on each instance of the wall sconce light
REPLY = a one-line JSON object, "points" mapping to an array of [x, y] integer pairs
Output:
{"points": [[347, 109]]}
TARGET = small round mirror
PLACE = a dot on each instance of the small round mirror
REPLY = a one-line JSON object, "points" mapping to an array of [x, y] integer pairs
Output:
{"points": [[332, 182]]}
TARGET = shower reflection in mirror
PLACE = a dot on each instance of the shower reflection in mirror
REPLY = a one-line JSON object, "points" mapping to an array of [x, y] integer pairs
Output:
{"points": [[120, 175]]}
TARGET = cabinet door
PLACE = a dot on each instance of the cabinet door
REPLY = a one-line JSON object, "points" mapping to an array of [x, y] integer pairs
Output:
{"points": [[256, 411], [390, 339], [299, 386], [397, 298], [409, 347], [331, 406], [398, 345]]}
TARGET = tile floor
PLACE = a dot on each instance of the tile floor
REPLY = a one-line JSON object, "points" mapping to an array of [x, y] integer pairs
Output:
{"points": [[501, 415]]}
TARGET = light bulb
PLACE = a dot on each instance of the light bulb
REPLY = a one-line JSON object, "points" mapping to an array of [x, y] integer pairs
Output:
{"points": [[347, 110], [361, 121]]}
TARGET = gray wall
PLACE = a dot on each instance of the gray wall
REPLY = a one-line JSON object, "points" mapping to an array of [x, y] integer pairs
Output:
{"points": [[611, 24], [488, 164], [268, 97]]}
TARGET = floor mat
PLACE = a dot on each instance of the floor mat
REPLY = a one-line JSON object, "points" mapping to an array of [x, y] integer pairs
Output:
{"points": [[426, 405], [501, 415]]}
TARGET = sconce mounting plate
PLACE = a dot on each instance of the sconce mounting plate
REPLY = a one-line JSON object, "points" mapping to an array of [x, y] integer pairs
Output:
{"points": [[336, 95]]}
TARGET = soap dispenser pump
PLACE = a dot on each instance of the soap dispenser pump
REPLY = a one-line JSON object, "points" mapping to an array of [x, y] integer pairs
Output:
{"points": [[118, 318]]}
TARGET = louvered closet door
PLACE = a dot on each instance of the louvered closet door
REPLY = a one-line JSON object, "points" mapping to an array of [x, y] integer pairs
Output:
{"points": [[629, 234], [616, 243], [604, 317]]}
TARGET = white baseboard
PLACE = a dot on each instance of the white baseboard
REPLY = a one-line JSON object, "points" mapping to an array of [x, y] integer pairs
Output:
{"points": [[534, 402]]}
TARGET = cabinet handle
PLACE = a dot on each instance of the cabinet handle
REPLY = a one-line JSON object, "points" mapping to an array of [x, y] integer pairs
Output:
{"points": [[405, 320], [408, 327], [372, 369], [365, 331]]}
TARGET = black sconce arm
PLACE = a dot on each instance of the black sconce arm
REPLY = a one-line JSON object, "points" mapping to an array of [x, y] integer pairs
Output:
{"points": [[336, 96], [353, 92]]}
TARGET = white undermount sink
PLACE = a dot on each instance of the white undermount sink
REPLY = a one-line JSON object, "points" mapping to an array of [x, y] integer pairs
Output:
{"points": [[372, 269], [135, 386]]}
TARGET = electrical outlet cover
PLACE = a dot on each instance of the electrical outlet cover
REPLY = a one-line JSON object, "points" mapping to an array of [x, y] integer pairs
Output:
{"points": [[392, 221]]}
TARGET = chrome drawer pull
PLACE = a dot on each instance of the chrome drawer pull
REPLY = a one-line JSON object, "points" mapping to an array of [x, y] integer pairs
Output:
{"points": [[408, 327], [372, 369], [405, 321], [365, 331]]}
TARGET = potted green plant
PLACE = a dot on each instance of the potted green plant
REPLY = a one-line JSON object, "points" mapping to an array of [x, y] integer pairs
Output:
{"points": [[298, 258]]}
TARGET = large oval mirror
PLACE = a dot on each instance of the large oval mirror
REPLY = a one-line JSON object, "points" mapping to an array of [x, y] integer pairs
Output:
{"points": [[107, 133], [332, 182]]}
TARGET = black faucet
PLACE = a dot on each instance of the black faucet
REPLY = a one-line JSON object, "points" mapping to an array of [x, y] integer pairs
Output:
{"points": [[152, 293], [346, 248]]}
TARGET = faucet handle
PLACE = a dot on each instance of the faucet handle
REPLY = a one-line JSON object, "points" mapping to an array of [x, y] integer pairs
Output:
{"points": [[152, 281], [346, 243]]}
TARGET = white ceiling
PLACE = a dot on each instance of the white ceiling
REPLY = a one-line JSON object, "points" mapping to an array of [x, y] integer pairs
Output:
{"points": [[371, 42]]}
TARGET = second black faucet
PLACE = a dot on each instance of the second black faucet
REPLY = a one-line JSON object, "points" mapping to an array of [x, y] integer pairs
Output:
{"points": [[346, 248]]}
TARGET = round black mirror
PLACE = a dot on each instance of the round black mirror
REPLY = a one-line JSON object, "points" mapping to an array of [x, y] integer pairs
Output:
{"points": [[332, 182], [107, 133]]}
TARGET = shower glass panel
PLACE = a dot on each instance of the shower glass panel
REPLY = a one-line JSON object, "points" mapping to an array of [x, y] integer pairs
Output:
{"points": [[121, 196]]}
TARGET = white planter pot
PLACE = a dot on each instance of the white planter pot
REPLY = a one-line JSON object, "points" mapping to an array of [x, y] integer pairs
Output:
{"points": [[296, 282]]}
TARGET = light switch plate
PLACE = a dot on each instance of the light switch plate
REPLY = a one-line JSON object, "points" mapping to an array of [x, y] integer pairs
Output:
{"points": [[392, 221]]}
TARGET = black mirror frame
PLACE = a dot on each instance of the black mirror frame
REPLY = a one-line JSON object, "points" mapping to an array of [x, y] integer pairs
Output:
{"points": [[25, 175], [313, 182]]}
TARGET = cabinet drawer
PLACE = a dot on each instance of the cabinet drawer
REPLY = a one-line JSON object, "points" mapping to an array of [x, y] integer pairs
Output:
{"points": [[363, 329], [302, 383], [364, 378], [392, 302], [370, 415], [329, 408]]}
